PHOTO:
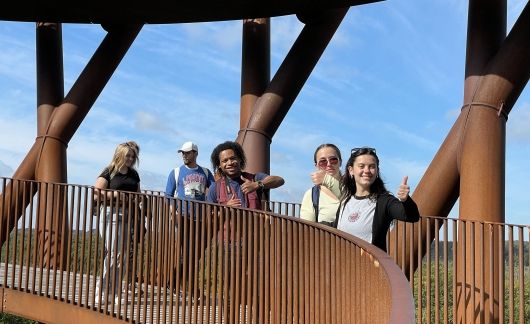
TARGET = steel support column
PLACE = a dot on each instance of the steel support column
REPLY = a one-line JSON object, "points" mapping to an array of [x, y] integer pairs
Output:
{"points": [[50, 93], [272, 107], [67, 118], [482, 162], [255, 76]]}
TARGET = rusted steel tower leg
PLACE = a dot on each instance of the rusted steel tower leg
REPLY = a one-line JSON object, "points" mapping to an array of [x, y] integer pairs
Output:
{"points": [[270, 109], [482, 163], [50, 93], [66, 118], [255, 76]]}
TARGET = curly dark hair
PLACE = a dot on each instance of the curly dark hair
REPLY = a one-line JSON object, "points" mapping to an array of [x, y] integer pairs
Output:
{"points": [[347, 184], [228, 145]]}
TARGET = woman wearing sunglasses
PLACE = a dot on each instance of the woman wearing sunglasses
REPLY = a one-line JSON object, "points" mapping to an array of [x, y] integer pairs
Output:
{"points": [[366, 207], [320, 203]]}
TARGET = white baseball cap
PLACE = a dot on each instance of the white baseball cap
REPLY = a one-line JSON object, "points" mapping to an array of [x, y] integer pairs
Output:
{"points": [[188, 146]]}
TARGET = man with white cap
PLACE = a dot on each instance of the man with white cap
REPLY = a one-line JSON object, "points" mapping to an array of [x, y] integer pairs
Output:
{"points": [[189, 181]]}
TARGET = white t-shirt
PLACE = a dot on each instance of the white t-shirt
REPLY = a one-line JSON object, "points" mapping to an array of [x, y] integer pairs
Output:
{"points": [[357, 218]]}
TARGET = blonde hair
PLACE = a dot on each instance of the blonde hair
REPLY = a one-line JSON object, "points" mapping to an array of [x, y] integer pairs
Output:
{"points": [[118, 160]]}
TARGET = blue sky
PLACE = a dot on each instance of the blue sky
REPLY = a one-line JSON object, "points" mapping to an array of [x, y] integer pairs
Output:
{"points": [[391, 78]]}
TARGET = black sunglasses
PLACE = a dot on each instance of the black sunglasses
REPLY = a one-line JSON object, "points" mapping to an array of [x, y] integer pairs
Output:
{"points": [[363, 150]]}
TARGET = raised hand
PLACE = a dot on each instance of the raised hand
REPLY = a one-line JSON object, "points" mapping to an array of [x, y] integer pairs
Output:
{"points": [[248, 185], [234, 201], [403, 190], [318, 177]]}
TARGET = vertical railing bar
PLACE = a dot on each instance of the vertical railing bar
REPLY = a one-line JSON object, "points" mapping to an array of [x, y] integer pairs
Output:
{"points": [[491, 231], [436, 271], [521, 274], [295, 272], [75, 189], [5, 215], [82, 258], [268, 275], [239, 301], [456, 226], [18, 211], [279, 265], [31, 235], [246, 266], [464, 270], [62, 266], [153, 258], [208, 264], [282, 270], [155, 310], [428, 272], [511, 286], [257, 265], [217, 240], [473, 267], [49, 238], [334, 270], [23, 233], [37, 264], [501, 271], [101, 225], [234, 265], [481, 273], [55, 237], [446, 272], [226, 263], [165, 257], [142, 284], [306, 245], [420, 274]]}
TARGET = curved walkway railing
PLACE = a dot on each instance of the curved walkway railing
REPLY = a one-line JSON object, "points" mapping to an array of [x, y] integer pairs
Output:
{"points": [[175, 261]]}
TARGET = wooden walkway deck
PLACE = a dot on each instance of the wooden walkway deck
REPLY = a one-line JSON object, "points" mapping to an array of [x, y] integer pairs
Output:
{"points": [[155, 305]]}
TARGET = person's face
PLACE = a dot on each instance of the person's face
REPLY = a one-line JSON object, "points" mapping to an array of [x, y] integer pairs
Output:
{"points": [[328, 161], [189, 157], [229, 163], [364, 170], [130, 158]]}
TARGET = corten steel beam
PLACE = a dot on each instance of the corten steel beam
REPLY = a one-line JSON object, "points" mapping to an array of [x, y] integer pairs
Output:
{"points": [[162, 11], [68, 116], [482, 167], [439, 188], [50, 93], [255, 76], [272, 107]]}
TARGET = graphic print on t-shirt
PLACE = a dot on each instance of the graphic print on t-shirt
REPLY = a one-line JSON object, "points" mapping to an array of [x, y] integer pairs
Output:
{"points": [[353, 216], [194, 185]]}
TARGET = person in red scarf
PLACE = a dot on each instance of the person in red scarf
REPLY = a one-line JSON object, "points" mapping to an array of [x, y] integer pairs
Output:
{"points": [[235, 187]]}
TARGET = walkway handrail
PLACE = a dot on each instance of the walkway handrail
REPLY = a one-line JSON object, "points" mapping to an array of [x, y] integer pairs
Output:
{"points": [[237, 265]]}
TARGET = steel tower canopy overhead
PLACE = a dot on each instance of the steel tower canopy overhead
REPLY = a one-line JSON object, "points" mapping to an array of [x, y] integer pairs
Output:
{"points": [[162, 11]]}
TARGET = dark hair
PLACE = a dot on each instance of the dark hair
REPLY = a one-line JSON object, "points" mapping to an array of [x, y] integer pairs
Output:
{"points": [[347, 184], [321, 146], [228, 145]]}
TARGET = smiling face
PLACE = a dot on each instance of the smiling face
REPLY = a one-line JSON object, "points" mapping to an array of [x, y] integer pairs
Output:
{"points": [[364, 171], [230, 164], [328, 160]]}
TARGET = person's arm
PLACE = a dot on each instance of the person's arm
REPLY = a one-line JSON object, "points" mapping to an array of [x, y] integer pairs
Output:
{"points": [[306, 210], [171, 185], [332, 184], [406, 211], [272, 181]]}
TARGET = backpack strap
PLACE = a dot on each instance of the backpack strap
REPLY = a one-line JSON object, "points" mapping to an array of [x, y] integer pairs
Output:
{"points": [[315, 195]]}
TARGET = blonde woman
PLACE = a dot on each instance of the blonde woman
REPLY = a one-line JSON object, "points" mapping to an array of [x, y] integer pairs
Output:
{"points": [[119, 176]]}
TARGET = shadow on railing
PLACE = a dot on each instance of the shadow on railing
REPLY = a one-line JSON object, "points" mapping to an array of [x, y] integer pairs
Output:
{"points": [[146, 258]]}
